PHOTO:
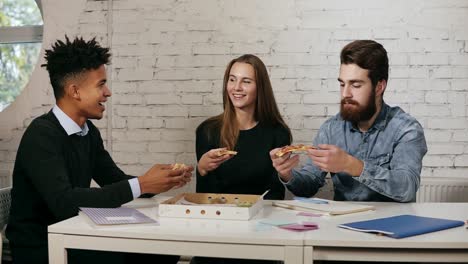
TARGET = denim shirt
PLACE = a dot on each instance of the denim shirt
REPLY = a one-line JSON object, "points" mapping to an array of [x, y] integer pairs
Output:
{"points": [[392, 151]]}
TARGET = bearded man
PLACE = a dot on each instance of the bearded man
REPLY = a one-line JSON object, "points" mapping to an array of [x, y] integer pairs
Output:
{"points": [[373, 151]]}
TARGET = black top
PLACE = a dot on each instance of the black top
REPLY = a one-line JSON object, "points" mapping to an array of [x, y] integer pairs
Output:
{"points": [[52, 177], [251, 170]]}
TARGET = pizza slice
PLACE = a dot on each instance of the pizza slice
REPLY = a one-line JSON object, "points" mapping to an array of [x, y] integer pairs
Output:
{"points": [[178, 166], [225, 151], [293, 148]]}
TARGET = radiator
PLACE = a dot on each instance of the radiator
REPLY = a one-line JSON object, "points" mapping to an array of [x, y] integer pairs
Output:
{"points": [[442, 190], [5, 178]]}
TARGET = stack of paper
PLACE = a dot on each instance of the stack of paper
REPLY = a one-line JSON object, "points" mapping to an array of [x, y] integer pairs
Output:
{"points": [[116, 216], [324, 207]]}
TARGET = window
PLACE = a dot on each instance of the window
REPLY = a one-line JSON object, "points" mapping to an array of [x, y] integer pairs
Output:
{"points": [[21, 30]]}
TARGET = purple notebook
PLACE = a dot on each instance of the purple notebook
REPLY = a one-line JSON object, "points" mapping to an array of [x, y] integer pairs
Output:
{"points": [[116, 216]]}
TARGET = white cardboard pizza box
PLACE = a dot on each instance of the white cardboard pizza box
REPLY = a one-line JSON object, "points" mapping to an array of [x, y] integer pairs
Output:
{"points": [[212, 206]]}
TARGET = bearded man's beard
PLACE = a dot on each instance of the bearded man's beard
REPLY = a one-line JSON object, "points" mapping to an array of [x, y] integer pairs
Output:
{"points": [[358, 113]]}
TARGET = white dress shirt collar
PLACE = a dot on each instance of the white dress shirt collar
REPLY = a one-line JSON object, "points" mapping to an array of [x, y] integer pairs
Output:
{"points": [[68, 124]]}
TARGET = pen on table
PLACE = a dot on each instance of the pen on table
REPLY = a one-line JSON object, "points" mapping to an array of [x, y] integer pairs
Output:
{"points": [[292, 207]]}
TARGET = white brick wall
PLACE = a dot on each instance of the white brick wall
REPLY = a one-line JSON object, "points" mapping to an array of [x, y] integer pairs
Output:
{"points": [[169, 58]]}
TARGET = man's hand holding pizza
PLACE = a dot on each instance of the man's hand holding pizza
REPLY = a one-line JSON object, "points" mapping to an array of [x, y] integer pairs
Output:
{"points": [[163, 177], [283, 162]]}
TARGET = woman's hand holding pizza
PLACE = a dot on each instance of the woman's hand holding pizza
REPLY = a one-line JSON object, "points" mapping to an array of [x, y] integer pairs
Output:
{"points": [[213, 158]]}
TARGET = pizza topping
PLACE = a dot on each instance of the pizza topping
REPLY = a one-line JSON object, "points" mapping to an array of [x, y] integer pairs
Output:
{"points": [[225, 151], [293, 148], [178, 166]]}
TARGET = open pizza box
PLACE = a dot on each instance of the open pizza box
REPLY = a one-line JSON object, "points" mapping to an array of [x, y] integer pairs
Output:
{"points": [[212, 206]]}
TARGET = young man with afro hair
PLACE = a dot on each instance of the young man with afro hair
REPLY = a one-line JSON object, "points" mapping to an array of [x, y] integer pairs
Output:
{"points": [[62, 151]]}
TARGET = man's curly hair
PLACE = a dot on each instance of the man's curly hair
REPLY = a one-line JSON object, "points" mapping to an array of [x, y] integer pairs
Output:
{"points": [[72, 58]]}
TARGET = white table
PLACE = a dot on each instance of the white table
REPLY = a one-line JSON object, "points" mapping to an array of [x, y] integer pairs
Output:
{"points": [[332, 243], [249, 240], [178, 236]]}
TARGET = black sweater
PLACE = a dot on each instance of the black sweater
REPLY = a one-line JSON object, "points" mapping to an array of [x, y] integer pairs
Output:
{"points": [[251, 170], [52, 177]]}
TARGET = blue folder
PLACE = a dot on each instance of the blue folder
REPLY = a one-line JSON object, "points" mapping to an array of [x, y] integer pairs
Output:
{"points": [[401, 226]]}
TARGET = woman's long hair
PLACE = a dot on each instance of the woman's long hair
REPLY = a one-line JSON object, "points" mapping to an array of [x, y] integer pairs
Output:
{"points": [[266, 110]]}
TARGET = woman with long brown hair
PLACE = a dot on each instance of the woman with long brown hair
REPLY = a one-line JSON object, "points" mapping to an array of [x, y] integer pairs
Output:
{"points": [[250, 125]]}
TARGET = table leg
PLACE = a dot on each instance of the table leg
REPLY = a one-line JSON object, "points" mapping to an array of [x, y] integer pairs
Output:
{"points": [[294, 255], [57, 251], [308, 255]]}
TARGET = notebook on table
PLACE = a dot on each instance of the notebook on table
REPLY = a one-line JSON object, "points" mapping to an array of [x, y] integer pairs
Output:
{"points": [[402, 226], [116, 216]]}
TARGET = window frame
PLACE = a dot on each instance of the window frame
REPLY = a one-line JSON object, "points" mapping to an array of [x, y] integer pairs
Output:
{"points": [[23, 34]]}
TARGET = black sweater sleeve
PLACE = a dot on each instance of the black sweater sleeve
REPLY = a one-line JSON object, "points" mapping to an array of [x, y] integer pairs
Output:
{"points": [[203, 144], [105, 170], [277, 190], [41, 154]]}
